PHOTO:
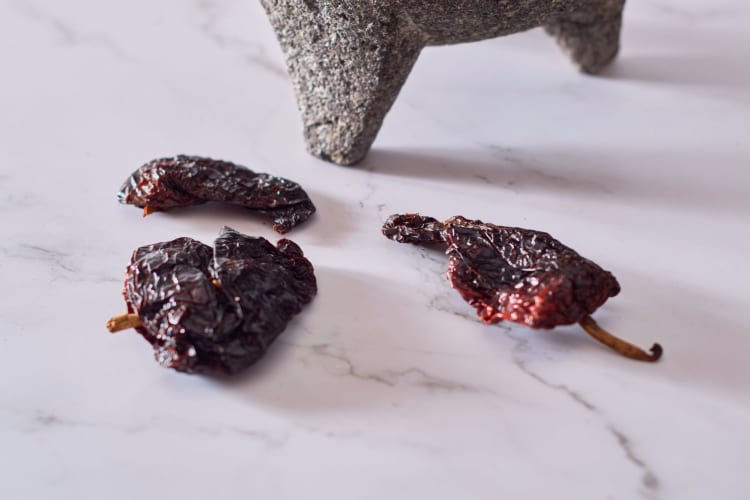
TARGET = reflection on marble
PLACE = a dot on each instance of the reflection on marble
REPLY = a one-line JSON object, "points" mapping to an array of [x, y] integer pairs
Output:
{"points": [[387, 386]]}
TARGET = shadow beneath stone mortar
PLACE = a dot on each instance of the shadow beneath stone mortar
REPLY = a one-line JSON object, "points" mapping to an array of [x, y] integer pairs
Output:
{"points": [[710, 69], [667, 178]]}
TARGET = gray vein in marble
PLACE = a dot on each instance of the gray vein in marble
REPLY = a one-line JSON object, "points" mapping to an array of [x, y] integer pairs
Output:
{"points": [[61, 265], [329, 433], [483, 178], [526, 166], [261, 60], [14, 200], [649, 480], [254, 53], [370, 189], [558, 387], [440, 302], [693, 14], [48, 420], [445, 300], [58, 260], [42, 421], [429, 448], [392, 378], [66, 33]]}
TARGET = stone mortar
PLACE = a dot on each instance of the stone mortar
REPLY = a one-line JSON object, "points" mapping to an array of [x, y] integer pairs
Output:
{"points": [[349, 58]]}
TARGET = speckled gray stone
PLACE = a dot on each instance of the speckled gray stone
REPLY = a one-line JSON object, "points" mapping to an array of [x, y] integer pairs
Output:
{"points": [[349, 58]]}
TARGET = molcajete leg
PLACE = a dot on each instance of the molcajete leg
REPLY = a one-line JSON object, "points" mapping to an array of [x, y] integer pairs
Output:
{"points": [[347, 66], [591, 36]]}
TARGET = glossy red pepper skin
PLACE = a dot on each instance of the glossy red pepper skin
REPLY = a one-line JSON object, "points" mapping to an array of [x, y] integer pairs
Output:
{"points": [[510, 273]]}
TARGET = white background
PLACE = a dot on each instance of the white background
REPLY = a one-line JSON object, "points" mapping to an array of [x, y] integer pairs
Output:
{"points": [[387, 386]]}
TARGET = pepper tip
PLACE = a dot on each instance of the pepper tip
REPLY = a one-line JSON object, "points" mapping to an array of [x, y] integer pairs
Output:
{"points": [[656, 352]]}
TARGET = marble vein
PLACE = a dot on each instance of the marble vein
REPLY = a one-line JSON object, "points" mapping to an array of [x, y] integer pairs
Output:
{"points": [[521, 169], [649, 480], [41, 421], [254, 53], [61, 265], [16, 201], [66, 33], [391, 378], [441, 296], [56, 260], [693, 14]]}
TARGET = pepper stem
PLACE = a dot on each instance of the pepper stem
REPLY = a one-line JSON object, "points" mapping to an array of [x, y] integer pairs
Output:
{"points": [[625, 348], [123, 322], [147, 210]]}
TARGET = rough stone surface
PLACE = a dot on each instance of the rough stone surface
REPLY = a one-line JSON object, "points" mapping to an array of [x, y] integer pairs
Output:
{"points": [[349, 58]]}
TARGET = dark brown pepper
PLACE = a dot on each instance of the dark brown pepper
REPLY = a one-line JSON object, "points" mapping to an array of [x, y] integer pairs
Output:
{"points": [[520, 275], [189, 180], [214, 311]]}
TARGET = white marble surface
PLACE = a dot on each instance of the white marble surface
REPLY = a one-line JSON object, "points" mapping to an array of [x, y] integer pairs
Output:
{"points": [[386, 387]]}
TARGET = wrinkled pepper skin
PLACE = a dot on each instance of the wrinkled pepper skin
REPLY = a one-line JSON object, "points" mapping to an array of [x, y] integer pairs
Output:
{"points": [[190, 180], [510, 273], [212, 311]]}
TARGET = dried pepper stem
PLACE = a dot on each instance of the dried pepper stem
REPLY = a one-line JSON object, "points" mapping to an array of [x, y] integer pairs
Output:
{"points": [[621, 346], [147, 210], [123, 322]]}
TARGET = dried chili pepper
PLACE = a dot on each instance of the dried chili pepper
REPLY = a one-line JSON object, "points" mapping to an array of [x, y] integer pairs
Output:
{"points": [[214, 311], [189, 180], [520, 275]]}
